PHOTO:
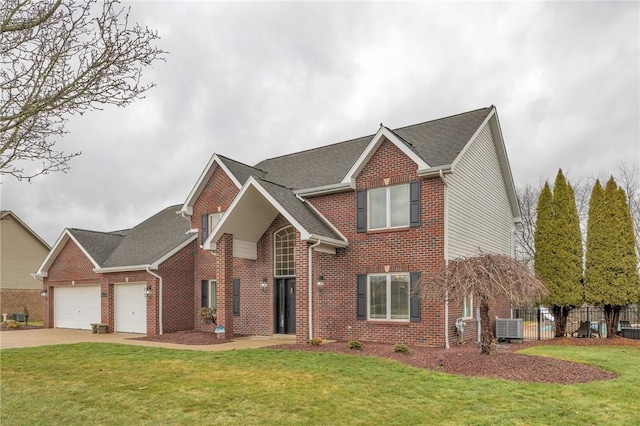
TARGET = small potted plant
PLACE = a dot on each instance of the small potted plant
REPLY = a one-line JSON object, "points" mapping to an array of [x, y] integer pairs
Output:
{"points": [[208, 315]]}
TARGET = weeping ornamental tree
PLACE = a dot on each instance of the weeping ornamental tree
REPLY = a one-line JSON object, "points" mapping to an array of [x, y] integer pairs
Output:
{"points": [[490, 278], [558, 250], [611, 273]]}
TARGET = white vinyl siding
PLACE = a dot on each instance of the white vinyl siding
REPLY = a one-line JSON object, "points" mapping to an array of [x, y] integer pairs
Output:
{"points": [[245, 249], [479, 215]]}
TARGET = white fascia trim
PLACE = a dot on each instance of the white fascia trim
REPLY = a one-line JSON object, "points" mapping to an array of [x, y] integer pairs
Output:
{"points": [[252, 182], [325, 240], [368, 152], [326, 189], [55, 251], [473, 138], [506, 170], [192, 231], [122, 269], [156, 264], [435, 171], [187, 207], [344, 241]]}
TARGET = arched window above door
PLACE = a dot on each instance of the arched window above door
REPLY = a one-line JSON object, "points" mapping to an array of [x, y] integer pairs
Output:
{"points": [[284, 252]]}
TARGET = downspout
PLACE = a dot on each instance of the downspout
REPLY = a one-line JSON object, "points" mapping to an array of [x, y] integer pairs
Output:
{"points": [[446, 247], [160, 331], [310, 263]]}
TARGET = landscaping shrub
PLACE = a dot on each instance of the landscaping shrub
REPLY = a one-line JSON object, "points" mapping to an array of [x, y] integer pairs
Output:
{"points": [[354, 344], [316, 341], [14, 325], [401, 348]]}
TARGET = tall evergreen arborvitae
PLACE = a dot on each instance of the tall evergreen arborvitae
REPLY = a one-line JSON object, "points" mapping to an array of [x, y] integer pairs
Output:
{"points": [[611, 274], [558, 256]]}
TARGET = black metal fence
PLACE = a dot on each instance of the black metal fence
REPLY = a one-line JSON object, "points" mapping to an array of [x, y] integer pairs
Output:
{"points": [[539, 323]]}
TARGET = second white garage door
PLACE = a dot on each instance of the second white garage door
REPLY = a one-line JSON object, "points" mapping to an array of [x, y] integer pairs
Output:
{"points": [[76, 307], [130, 308]]}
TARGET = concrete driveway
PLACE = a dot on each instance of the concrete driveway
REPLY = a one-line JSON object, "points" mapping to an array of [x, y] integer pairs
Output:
{"points": [[59, 336]]}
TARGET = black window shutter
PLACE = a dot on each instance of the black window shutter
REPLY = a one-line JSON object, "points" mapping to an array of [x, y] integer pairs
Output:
{"points": [[205, 227], [204, 291], [361, 211], [414, 298], [414, 203], [236, 296], [361, 305]]}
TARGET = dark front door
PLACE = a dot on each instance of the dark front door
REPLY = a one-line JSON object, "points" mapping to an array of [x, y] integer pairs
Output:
{"points": [[285, 305]]}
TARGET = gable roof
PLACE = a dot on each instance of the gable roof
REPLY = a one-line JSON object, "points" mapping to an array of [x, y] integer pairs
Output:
{"points": [[7, 214], [436, 143], [272, 199], [235, 170], [148, 244]]}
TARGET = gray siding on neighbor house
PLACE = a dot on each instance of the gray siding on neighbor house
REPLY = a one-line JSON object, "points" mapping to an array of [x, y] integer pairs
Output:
{"points": [[478, 209]]}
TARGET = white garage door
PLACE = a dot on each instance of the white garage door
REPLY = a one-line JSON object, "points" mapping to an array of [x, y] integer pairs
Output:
{"points": [[131, 308], [77, 307]]}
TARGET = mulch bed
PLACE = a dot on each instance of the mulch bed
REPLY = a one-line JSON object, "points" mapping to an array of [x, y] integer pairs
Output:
{"points": [[3, 327], [463, 360], [186, 338]]}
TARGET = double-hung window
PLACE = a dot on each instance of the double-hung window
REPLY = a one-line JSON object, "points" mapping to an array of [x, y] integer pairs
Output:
{"points": [[389, 207], [208, 294], [388, 296], [467, 306]]}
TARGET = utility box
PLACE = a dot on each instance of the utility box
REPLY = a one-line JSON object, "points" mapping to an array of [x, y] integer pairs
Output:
{"points": [[509, 329]]}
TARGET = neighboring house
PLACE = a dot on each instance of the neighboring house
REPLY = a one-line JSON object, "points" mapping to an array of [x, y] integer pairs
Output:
{"points": [[332, 242], [137, 280], [21, 251]]}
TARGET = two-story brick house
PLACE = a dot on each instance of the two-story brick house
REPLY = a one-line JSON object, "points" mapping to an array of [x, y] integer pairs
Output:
{"points": [[331, 242]]}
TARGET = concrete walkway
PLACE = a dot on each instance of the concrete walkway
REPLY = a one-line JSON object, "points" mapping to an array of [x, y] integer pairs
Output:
{"points": [[59, 336]]}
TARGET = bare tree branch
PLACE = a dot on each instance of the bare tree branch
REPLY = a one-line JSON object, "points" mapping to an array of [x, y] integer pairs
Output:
{"points": [[58, 59], [489, 278]]}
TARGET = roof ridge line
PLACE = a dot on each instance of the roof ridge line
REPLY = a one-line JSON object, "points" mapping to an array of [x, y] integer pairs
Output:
{"points": [[442, 118]]}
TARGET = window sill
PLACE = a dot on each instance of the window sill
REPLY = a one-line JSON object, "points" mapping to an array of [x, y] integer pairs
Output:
{"points": [[388, 322], [387, 230]]}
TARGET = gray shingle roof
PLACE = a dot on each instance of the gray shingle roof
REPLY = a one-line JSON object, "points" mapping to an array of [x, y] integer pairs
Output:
{"points": [[437, 142], [142, 245], [301, 212], [239, 170], [99, 245], [151, 240]]}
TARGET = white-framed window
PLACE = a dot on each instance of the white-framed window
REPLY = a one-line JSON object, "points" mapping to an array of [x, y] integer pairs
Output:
{"points": [[388, 296], [214, 218], [213, 286], [467, 306], [388, 207], [284, 258]]}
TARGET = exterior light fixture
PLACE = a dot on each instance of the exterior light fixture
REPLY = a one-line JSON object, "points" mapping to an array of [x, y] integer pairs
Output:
{"points": [[263, 284], [147, 291], [320, 282], [44, 292]]}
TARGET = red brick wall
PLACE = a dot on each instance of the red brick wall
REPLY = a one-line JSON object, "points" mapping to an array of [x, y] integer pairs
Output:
{"points": [[219, 192], [402, 250], [178, 290], [71, 267]]}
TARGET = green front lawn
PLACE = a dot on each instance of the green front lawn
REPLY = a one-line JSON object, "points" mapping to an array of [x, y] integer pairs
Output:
{"points": [[94, 383]]}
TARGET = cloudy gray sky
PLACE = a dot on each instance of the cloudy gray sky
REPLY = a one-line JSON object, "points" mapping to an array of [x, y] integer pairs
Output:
{"points": [[258, 80]]}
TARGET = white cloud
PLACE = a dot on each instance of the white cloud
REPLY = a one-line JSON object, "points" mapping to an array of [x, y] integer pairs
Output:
{"points": [[258, 80]]}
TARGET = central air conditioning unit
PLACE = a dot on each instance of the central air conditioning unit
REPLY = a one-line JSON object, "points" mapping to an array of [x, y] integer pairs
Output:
{"points": [[509, 329]]}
